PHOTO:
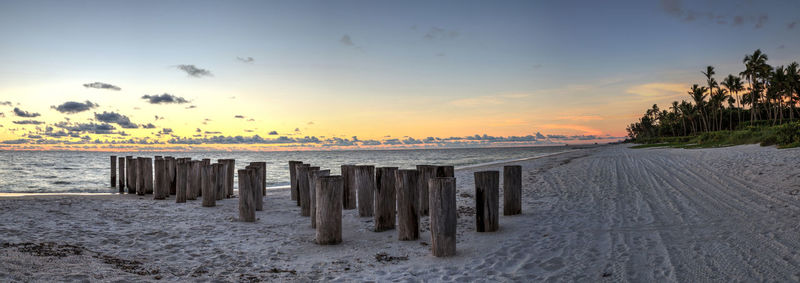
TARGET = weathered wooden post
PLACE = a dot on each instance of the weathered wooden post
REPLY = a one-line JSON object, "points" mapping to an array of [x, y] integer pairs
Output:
{"points": [[231, 171], [302, 189], [445, 171], [407, 201], [194, 180], [385, 198], [258, 193], [159, 179], [205, 161], [130, 180], [113, 170], [349, 189], [140, 176], [148, 175], [312, 186], [426, 172], [180, 181], [329, 210], [443, 209], [222, 180], [171, 174], [247, 185], [208, 182], [122, 175], [364, 181], [263, 173], [487, 200], [293, 180], [512, 189]]}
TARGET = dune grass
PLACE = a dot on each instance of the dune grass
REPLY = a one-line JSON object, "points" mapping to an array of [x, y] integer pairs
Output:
{"points": [[784, 136]]}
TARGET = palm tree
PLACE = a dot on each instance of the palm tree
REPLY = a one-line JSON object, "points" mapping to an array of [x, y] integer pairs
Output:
{"points": [[698, 94], [731, 104], [734, 86], [754, 65], [688, 112], [709, 73], [793, 78]]}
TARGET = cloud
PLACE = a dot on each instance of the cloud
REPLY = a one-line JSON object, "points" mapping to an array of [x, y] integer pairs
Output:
{"points": [[148, 126], [166, 131], [580, 117], [436, 33], [310, 123], [193, 71], [5, 103], [115, 118], [198, 130], [346, 40], [273, 133], [25, 114], [245, 59], [659, 90], [239, 117], [212, 132], [296, 129], [72, 107], [164, 99], [93, 128], [28, 122], [251, 120], [101, 86], [191, 107], [791, 25]]}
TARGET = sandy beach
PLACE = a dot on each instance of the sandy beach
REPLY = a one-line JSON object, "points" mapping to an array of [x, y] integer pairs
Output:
{"points": [[607, 213]]}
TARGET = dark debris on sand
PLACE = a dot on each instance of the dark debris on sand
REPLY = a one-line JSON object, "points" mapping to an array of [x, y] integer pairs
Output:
{"points": [[50, 249], [384, 257]]}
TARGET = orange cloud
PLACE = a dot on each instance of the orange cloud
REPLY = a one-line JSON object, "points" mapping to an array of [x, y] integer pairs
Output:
{"points": [[658, 90], [581, 129]]}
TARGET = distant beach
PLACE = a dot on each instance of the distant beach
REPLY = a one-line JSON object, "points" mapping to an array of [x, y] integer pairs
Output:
{"points": [[608, 213]]}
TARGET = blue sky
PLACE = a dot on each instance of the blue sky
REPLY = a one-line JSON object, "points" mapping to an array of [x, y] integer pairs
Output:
{"points": [[483, 67]]}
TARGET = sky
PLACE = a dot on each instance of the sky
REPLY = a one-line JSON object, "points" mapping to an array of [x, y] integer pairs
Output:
{"points": [[272, 75]]}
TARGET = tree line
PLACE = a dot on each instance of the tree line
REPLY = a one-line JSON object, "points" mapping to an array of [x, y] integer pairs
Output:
{"points": [[759, 95]]}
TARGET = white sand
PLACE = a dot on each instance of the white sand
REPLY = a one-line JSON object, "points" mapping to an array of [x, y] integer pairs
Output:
{"points": [[602, 214]]}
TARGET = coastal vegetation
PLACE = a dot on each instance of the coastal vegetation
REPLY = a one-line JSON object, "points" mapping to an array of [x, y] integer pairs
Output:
{"points": [[758, 105]]}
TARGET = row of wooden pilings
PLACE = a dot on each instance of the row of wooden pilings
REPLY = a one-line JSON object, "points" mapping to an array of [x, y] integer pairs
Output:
{"points": [[394, 198], [188, 179], [398, 198]]}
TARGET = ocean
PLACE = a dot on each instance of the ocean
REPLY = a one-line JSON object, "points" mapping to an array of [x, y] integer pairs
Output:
{"points": [[88, 172]]}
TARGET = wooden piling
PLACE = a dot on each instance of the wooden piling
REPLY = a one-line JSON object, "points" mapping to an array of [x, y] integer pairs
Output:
{"points": [[302, 189], [221, 188], [208, 182], [512, 189], [263, 173], [194, 178], [248, 178], [140, 176], [122, 175], [130, 180], [487, 201], [159, 179], [113, 171], [222, 180], [407, 201], [364, 181], [312, 187], [443, 210], [258, 193], [349, 189], [385, 198], [171, 171], [148, 175], [329, 210], [426, 172], [229, 178], [445, 171], [180, 181], [293, 180]]}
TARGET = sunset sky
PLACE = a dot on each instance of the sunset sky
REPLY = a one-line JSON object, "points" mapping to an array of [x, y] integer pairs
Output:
{"points": [[316, 74]]}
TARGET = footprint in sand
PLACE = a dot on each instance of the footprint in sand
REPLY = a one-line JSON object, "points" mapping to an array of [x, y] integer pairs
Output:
{"points": [[553, 264]]}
